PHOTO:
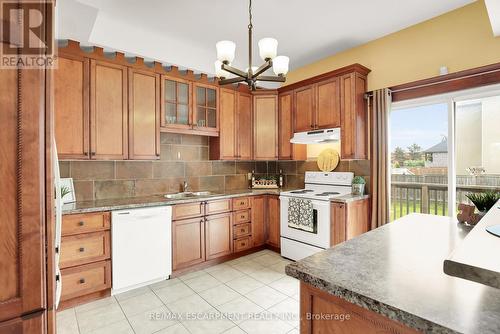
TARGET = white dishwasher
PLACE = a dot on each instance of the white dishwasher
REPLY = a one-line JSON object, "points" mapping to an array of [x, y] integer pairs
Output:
{"points": [[141, 244]]}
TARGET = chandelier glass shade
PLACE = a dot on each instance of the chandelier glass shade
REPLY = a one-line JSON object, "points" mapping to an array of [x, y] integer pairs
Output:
{"points": [[268, 51]]}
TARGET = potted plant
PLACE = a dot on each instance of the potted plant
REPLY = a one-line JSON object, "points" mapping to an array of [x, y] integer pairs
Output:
{"points": [[483, 201], [358, 185]]}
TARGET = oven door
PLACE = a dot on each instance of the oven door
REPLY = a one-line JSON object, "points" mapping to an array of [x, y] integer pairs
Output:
{"points": [[321, 237]]}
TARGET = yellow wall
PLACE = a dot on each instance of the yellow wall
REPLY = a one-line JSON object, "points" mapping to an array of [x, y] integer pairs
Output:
{"points": [[461, 39]]}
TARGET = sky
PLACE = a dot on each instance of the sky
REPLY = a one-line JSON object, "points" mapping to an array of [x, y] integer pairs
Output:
{"points": [[424, 125]]}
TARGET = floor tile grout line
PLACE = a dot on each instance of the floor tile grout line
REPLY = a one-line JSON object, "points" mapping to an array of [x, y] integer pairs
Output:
{"points": [[126, 317]]}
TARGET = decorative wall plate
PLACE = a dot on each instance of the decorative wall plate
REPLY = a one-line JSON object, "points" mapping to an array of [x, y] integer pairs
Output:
{"points": [[328, 160]]}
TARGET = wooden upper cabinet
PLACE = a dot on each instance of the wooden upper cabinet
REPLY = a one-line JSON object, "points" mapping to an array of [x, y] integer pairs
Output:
{"points": [[176, 103], [328, 104], [304, 108], [287, 150], [265, 120], [317, 106], [205, 113], [189, 107], [218, 235], [354, 125], [244, 127], [331, 100], [235, 135], [144, 114], [108, 110], [71, 107], [227, 135]]}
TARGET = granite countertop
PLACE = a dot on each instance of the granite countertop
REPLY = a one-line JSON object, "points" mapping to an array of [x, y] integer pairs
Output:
{"points": [[159, 200], [476, 258], [397, 271]]}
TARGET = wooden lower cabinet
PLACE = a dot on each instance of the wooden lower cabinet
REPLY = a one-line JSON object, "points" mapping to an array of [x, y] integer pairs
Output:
{"points": [[188, 210], [188, 242], [82, 280], [85, 260], [273, 221], [223, 227], [218, 235], [34, 323], [258, 220], [321, 312], [349, 220], [219, 206]]}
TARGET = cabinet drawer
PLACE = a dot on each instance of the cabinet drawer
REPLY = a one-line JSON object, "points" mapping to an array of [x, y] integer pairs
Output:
{"points": [[84, 223], [219, 206], [188, 210], [82, 280], [241, 230], [84, 248], [242, 244], [241, 203], [241, 216]]}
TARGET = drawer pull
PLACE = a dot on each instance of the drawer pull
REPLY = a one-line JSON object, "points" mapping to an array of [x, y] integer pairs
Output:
{"points": [[82, 280], [81, 223], [242, 216], [243, 244], [82, 249], [242, 203], [242, 230]]}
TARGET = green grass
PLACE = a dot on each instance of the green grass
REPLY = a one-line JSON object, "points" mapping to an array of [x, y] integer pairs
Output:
{"points": [[440, 209]]}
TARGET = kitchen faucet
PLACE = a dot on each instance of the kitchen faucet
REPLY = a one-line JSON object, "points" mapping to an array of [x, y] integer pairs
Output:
{"points": [[185, 187]]}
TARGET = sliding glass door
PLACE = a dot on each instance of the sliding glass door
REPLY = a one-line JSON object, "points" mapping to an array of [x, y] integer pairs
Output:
{"points": [[477, 145], [442, 148], [419, 159]]}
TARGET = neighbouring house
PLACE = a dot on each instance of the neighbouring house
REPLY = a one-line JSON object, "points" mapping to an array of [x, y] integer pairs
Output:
{"points": [[437, 155]]}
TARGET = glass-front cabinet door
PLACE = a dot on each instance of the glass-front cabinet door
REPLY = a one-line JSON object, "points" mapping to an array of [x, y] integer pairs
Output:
{"points": [[176, 103], [205, 108]]}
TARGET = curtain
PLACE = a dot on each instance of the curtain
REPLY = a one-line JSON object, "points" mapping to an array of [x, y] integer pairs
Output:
{"points": [[380, 104]]}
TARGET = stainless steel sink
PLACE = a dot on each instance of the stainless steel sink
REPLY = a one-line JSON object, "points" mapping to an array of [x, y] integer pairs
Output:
{"points": [[182, 195]]}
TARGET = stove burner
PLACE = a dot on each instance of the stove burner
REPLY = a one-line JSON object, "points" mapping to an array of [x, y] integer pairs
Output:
{"points": [[303, 191], [328, 193]]}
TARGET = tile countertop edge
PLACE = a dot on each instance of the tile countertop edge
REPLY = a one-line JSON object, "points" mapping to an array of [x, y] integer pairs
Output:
{"points": [[159, 200], [391, 312]]}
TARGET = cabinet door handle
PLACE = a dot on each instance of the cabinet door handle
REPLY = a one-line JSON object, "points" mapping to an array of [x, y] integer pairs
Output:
{"points": [[82, 280], [82, 249], [81, 223], [242, 217], [242, 230]]}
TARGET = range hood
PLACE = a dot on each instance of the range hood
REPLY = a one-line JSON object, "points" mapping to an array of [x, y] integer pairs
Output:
{"points": [[316, 136]]}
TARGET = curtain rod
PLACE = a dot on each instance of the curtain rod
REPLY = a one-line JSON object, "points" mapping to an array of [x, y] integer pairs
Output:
{"points": [[370, 93]]}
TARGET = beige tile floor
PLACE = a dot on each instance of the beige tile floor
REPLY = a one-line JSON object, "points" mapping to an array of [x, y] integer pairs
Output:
{"points": [[250, 294]]}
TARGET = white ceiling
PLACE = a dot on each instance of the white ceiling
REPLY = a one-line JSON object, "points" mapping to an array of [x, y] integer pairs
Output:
{"points": [[184, 32], [493, 7]]}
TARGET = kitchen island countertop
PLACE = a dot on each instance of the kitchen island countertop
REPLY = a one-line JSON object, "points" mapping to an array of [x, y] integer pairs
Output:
{"points": [[397, 271]]}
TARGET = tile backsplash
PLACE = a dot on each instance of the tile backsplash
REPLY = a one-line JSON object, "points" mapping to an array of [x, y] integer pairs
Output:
{"points": [[182, 157]]}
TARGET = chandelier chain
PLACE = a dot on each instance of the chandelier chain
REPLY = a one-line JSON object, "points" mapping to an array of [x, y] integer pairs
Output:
{"points": [[250, 26]]}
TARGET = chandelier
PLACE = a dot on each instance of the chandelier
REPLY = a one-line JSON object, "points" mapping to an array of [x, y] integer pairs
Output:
{"points": [[268, 49]]}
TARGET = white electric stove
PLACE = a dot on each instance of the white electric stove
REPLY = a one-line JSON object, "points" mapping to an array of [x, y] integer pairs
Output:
{"points": [[320, 189]]}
